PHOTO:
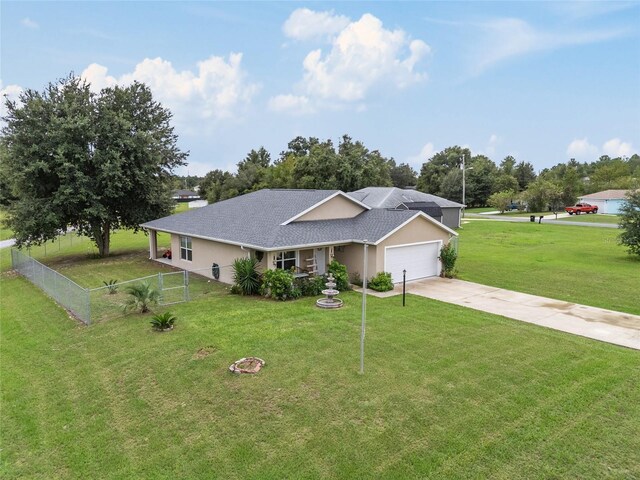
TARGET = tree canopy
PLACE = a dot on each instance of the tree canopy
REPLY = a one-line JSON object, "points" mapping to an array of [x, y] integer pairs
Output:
{"points": [[630, 223], [96, 162]]}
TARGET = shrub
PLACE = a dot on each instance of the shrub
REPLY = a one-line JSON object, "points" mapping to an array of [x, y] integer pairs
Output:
{"points": [[246, 275], [142, 295], [235, 290], [311, 287], [339, 272], [381, 282], [356, 280], [448, 257], [111, 286], [163, 321], [278, 284]]}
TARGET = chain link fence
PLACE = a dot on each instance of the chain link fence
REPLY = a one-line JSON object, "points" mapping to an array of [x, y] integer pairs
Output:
{"points": [[65, 292], [92, 305]]}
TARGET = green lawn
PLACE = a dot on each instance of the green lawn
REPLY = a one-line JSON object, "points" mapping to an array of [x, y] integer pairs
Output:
{"points": [[598, 218], [448, 393], [576, 264], [5, 233]]}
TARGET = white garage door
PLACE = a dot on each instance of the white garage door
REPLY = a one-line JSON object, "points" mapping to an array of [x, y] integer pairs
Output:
{"points": [[420, 261]]}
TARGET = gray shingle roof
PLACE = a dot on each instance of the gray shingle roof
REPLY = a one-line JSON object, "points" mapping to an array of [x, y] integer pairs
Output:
{"points": [[255, 220], [391, 197]]}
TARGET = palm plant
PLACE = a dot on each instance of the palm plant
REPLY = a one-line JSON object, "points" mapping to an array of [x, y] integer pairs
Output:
{"points": [[246, 275], [141, 296], [111, 285], [163, 321]]}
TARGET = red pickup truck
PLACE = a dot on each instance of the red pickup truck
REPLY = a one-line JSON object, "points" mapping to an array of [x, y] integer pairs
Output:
{"points": [[579, 208]]}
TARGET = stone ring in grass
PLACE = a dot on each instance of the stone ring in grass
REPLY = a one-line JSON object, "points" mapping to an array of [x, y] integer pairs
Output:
{"points": [[247, 365]]}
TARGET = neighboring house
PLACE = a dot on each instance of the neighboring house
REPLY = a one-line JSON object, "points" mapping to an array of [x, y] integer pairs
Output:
{"points": [[303, 229], [441, 209], [608, 201], [184, 195]]}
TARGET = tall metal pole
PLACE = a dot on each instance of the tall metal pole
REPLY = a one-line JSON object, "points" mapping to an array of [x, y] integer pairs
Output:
{"points": [[464, 200], [404, 283], [364, 308]]}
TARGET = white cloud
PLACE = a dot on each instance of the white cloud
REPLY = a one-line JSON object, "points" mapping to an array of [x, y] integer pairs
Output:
{"points": [[505, 38], [363, 55], [305, 24], [294, 104], [494, 140], [217, 89], [27, 22], [617, 148], [581, 149], [10, 92], [426, 153]]}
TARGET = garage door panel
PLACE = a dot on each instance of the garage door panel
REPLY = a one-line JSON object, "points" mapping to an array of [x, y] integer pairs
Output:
{"points": [[420, 261]]}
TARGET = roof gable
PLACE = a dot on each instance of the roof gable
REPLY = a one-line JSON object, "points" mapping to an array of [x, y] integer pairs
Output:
{"points": [[337, 205]]}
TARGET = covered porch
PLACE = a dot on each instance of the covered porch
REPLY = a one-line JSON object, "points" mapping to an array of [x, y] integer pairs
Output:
{"points": [[305, 262]]}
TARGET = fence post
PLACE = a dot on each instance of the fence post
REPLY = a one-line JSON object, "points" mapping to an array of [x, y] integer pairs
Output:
{"points": [[186, 285], [160, 287], [88, 297]]}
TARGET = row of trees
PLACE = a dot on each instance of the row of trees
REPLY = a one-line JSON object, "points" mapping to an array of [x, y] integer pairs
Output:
{"points": [[309, 163]]}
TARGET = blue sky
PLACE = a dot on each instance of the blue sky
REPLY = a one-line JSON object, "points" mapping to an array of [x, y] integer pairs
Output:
{"points": [[542, 81]]}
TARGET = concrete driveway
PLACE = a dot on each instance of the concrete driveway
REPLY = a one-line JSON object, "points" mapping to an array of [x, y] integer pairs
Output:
{"points": [[597, 323]]}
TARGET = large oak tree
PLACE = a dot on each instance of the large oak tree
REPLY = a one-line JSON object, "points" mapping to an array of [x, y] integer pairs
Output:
{"points": [[96, 162]]}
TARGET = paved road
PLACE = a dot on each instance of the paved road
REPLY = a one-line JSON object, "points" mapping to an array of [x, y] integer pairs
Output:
{"points": [[596, 323], [7, 243], [550, 220]]}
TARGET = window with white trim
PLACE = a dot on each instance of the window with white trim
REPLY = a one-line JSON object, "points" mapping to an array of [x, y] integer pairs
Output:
{"points": [[286, 260], [186, 252]]}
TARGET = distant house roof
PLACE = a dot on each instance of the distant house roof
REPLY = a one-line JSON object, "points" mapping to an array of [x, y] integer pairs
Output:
{"points": [[262, 220], [392, 197], [607, 195], [184, 193]]}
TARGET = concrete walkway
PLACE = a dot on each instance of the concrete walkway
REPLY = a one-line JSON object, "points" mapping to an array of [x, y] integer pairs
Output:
{"points": [[597, 323]]}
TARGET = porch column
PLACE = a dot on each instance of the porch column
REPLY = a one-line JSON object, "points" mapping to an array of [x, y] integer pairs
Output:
{"points": [[153, 244]]}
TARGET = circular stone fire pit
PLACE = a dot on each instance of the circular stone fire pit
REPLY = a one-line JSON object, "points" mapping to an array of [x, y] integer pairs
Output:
{"points": [[247, 365]]}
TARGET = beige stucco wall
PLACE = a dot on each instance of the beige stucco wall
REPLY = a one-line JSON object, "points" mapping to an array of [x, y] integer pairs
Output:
{"points": [[205, 253], [337, 207], [353, 257], [416, 231]]}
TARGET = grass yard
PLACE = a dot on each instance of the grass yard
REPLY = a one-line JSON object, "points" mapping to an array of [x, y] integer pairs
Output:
{"points": [[448, 393], [5, 233], [598, 218], [576, 264]]}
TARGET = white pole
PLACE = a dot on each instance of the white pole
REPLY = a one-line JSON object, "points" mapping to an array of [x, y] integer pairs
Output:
{"points": [[364, 308], [464, 202]]}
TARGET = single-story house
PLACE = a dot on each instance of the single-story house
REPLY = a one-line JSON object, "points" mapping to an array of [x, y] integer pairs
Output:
{"points": [[303, 229], [607, 201], [184, 195], [443, 210]]}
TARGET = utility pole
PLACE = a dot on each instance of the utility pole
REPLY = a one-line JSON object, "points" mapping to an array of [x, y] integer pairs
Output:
{"points": [[364, 308], [464, 200]]}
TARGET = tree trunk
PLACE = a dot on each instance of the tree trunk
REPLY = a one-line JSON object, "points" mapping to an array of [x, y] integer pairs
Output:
{"points": [[102, 237]]}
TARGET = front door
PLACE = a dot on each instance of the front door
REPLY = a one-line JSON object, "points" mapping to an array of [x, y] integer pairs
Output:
{"points": [[321, 261]]}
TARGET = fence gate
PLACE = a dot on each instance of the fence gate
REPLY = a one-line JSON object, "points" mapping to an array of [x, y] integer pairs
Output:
{"points": [[173, 287]]}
